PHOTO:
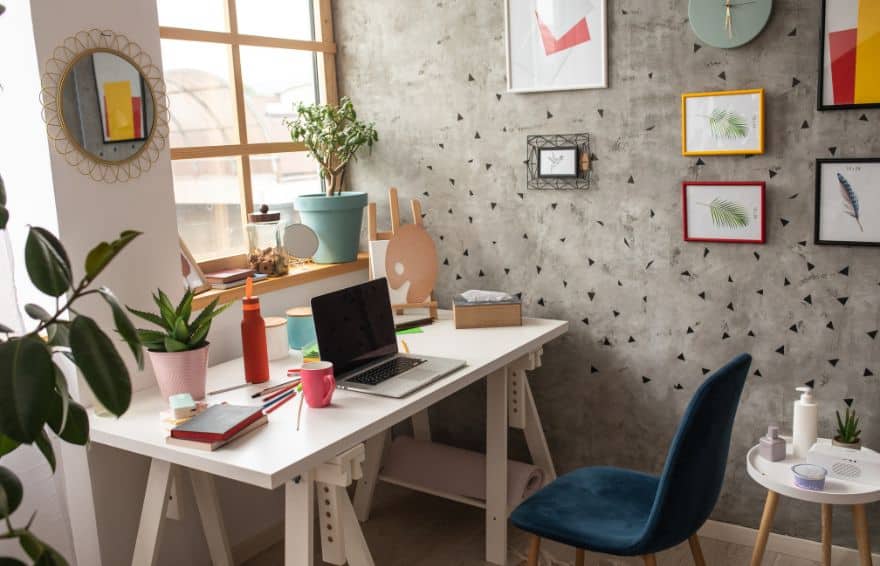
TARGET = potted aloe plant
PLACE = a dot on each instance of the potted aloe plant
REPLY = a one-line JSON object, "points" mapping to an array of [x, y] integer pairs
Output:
{"points": [[848, 431], [333, 135], [179, 349]]}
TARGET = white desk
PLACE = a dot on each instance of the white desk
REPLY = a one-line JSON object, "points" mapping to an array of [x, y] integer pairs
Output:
{"points": [[328, 450]]}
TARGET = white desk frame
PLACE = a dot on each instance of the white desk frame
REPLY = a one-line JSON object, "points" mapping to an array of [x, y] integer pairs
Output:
{"points": [[338, 445]]}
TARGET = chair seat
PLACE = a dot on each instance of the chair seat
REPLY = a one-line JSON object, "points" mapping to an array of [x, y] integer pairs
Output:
{"points": [[600, 509]]}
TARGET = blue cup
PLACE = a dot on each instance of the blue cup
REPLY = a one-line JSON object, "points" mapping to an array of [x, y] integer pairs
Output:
{"points": [[300, 328]]}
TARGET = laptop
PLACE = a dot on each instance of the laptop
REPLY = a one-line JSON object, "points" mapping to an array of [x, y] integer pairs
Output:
{"points": [[355, 331]]}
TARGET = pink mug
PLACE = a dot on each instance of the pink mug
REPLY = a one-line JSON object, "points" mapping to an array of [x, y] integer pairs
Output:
{"points": [[317, 383]]}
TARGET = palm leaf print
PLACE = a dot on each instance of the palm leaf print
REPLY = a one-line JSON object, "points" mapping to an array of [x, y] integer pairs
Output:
{"points": [[850, 199], [727, 124], [727, 214]]}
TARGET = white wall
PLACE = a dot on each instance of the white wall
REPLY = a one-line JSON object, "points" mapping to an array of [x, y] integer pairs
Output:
{"points": [[89, 212]]}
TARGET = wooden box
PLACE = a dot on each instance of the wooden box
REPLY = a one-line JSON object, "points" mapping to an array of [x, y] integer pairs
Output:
{"points": [[486, 314]]}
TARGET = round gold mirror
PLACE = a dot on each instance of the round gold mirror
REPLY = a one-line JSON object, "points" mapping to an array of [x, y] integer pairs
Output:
{"points": [[104, 106]]}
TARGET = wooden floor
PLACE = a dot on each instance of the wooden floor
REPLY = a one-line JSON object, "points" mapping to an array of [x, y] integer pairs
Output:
{"points": [[411, 529]]}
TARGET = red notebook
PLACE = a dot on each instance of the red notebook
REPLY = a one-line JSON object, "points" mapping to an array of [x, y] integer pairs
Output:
{"points": [[228, 275], [217, 423]]}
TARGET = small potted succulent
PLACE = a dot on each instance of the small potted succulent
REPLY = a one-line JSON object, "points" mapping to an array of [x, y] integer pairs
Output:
{"points": [[179, 349], [333, 135], [848, 431]]}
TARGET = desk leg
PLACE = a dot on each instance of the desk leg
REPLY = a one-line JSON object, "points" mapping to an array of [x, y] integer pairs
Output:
{"points": [[152, 514], [375, 451], [826, 534], [212, 518], [496, 467], [535, 438], [766, 524], [299, 521], [860, 521]]}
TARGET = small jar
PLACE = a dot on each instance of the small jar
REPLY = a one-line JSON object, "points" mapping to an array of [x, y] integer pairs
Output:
{"points": [[266, 252]]}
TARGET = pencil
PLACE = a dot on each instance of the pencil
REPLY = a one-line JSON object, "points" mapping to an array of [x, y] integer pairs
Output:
{"points": [[278, 399], [405, 346], [273, 388], [279, 403], [277, 393]]}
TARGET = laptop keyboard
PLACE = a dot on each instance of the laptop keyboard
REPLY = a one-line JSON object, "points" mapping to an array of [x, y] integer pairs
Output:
{"points": [[389, 369]]}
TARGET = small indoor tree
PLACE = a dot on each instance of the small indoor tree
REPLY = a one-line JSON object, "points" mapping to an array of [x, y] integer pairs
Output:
{"points": [[34, 399], [333, 135]]}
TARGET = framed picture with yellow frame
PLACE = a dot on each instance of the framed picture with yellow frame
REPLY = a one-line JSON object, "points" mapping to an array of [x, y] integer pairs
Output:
{"points": [[722, 123]]}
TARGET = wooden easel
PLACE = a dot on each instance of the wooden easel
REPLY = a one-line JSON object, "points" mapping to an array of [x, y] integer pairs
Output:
{"points": [[374, 235]]}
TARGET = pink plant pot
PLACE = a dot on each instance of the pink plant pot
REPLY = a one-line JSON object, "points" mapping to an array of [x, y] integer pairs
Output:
{"points": [[181, 372]]}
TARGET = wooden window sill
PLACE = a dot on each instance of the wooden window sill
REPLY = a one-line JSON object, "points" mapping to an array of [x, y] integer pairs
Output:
{"points": [[298, 276]]}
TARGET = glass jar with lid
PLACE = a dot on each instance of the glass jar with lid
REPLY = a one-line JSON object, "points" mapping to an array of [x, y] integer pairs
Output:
{"points": [[266, 253]]}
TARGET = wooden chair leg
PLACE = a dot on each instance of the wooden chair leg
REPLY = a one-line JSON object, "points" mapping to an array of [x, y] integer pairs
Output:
{"points": [[650, 560], [696, 550], [579, 557], [860, 521], [533, 551]]}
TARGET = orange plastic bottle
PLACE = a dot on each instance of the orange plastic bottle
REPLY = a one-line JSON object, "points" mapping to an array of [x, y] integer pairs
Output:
{"points": [[253, 338]]}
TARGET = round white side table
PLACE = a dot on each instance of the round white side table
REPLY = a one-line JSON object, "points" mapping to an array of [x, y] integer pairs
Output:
{"points": [[777, 478]]}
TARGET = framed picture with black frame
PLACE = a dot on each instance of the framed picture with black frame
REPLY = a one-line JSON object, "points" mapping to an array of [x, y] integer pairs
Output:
{"points": [[847, 61], [847, 195], [558, 162]]}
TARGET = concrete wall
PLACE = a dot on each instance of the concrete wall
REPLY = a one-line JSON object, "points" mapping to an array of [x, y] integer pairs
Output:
{"points": [[432, 76]]}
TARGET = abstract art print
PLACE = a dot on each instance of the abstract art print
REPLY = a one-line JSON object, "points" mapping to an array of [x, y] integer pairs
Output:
{"points": [[120, 98], [850, 55], [848, 202], [716, 211], [722, 123], [556, 45]]}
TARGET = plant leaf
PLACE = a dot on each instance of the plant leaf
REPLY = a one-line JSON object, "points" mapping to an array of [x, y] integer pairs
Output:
{"points": [[7, 445], [2, 185], [37, 312], [181, 331], [45, 446], [172, 345], [184, 309], [198, 336], [124, 326], [727, 124], [11, 492], [166, 309], [59, 333], [100, 364], [63, 396], [47, 263], [101, 255], [728, 214], [4, 217], [76, 429], [9, 561], [149, 317], [26, 373]]}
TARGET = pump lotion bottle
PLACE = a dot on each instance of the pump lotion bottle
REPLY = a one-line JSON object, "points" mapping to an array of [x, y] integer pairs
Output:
{"points": [[806, 423]]}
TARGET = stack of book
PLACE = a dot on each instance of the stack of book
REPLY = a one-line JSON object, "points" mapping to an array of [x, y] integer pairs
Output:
{"points": [[229, 278], [216, 426]]}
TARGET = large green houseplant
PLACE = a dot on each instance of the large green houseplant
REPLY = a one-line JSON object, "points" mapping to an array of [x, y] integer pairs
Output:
{"points": [[333, 135], [34, 400]]}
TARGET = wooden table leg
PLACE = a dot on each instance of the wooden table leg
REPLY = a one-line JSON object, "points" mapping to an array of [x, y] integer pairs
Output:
{"points": [[496, 467], [860, 521], [152, 523], [766, 524], [826, 534], [299, 521]]}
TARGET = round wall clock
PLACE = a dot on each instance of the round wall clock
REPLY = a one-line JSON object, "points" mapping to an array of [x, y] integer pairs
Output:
{"points": [[728, 23]]}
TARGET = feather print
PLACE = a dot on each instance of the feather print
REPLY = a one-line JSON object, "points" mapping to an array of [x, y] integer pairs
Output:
{"points": [[850, 199]]}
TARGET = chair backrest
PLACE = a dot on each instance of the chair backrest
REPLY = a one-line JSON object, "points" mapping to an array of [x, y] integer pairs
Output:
{"points": [[694, 470]]}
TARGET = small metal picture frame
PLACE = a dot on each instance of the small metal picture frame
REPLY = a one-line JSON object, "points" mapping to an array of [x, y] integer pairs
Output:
{"points": [[558, 162]]}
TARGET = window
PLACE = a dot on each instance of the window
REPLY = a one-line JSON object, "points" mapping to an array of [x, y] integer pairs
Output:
{"points": [[234, 70]]}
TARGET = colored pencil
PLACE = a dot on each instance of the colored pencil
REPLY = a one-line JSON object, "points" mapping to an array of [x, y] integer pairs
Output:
{"points": [[273, 388], [279, 399], [405, 346], [278, 392], [226, 389], [276, 405]]}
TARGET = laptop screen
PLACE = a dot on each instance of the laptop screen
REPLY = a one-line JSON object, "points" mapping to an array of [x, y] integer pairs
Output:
{"points": [[355, 326]]}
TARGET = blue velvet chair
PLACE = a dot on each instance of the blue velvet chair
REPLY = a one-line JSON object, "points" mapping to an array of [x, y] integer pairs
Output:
{"points": [[628, 513]]}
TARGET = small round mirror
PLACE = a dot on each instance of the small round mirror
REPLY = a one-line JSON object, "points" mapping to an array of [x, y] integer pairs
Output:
{"points": [[301, 241], [106, 106]]}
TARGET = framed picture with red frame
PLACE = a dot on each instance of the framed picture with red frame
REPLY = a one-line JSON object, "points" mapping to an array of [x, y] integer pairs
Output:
{"points": [[723, 211]]}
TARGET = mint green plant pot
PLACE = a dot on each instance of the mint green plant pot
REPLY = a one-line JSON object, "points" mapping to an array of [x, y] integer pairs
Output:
{"points": [[337, 221]]}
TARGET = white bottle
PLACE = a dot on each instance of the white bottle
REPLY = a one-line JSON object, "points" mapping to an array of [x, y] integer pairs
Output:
{"points": [[806, 422]]}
